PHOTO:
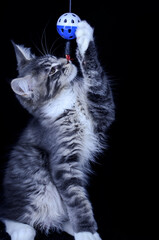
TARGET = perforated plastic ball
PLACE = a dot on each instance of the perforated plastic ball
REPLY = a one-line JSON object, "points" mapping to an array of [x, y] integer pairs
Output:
{"points": [[67, 25]]}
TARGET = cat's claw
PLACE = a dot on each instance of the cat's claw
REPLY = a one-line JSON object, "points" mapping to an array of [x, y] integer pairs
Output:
{"points": [[84, 34], [87, 236]]}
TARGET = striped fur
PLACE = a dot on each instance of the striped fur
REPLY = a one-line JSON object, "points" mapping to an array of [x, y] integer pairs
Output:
{"points": [[47, 172]]}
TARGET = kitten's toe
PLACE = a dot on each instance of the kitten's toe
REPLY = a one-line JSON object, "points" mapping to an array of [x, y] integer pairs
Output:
{"points": [[84, 34], [84, 29]]}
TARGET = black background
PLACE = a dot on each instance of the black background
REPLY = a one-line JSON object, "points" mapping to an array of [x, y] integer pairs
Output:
{"points": [[124, 188]]}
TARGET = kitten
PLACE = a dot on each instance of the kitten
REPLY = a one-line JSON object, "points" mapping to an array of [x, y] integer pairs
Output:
{"points": [[45, 179]]}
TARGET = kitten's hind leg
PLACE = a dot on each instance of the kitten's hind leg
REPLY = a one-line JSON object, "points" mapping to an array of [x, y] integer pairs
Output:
{"points": [[19, 231]]}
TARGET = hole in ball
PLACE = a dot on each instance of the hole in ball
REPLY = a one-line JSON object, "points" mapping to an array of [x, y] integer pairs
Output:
{"points": [[62, 30], [71, 37], [72, 21], [65, 21], [69, 30]]}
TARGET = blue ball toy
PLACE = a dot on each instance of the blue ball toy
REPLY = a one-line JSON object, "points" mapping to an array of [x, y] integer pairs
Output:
{"points": [[67, 25]]}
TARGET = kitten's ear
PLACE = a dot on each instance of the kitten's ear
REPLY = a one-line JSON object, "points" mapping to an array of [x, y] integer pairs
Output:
{"points": [[23, 86], [22, 54]]}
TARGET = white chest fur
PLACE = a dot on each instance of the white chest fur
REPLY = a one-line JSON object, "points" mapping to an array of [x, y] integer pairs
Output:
{"points": [[62, 102], [89, 141], [76, 101]]}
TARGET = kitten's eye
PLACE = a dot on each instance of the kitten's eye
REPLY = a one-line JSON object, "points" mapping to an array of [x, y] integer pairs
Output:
{"points": [[53, 70]]}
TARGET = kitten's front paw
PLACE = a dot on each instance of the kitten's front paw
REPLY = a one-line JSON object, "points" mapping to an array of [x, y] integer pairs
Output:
{"points": [[87, 236], [84, 34], [25, 233]]}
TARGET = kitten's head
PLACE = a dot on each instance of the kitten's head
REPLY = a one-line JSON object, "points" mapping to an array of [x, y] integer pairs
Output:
{"points": [[41, 79]]}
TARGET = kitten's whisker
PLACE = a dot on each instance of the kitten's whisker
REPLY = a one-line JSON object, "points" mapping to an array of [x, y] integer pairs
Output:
{"points": [[43, 38], [42, 45], [38, 49], [50, 51], [56, 48], [45, 44]]}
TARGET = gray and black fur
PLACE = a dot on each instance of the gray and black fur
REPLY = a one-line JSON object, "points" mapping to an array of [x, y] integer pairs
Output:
{"points": [[45, 179]]}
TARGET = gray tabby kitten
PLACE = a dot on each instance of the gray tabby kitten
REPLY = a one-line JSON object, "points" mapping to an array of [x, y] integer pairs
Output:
{"points": [[44, 184]]}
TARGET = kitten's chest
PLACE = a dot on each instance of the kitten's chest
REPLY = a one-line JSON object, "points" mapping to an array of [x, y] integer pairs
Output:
{"points": [[70, 102], [81, 114], [86, 138], [55, 108]]}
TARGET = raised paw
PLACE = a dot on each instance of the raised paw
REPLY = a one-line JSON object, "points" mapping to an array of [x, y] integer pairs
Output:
{"points": [[84, 34], [87, 236]]}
